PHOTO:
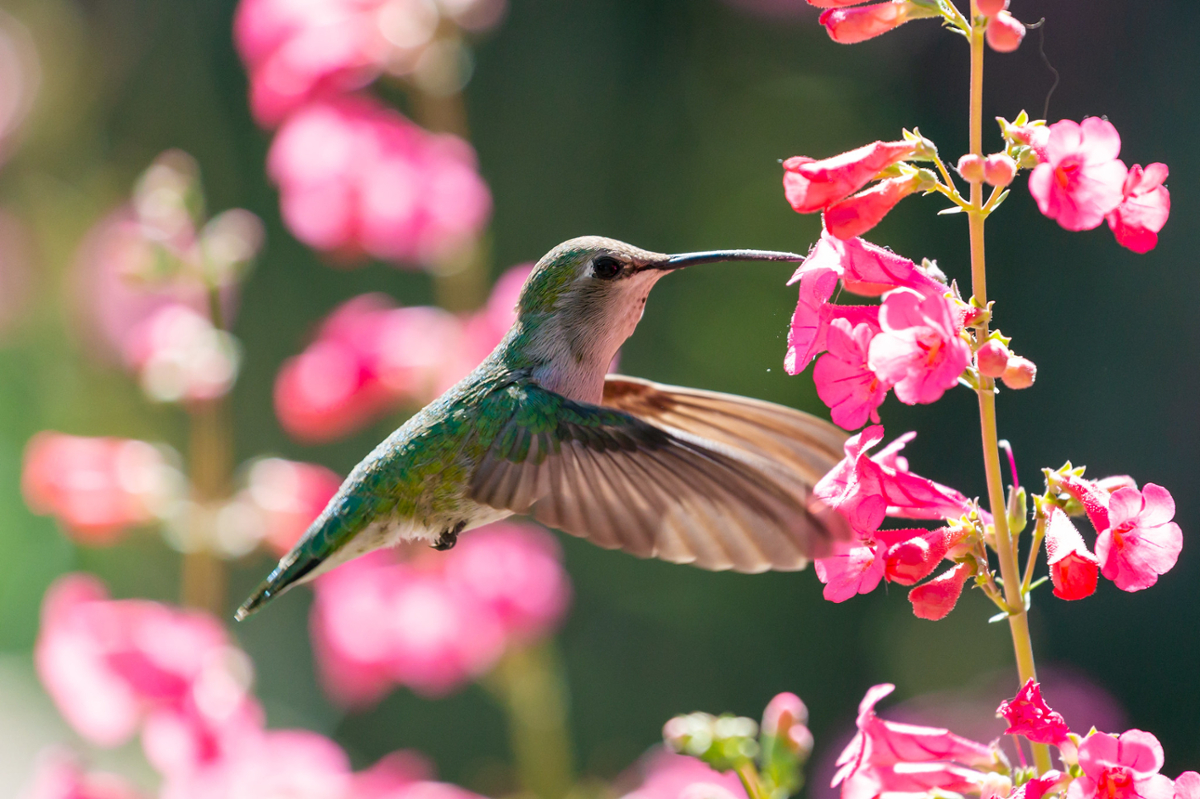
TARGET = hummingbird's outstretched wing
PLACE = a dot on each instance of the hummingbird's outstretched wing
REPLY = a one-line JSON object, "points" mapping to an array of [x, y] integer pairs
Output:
{"points": [[667, 473]]}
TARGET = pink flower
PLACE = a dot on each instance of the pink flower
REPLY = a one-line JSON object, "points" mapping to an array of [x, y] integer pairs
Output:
{"points": [[1074, 570], [844, 381], [1187, 785], [992, 359], [886, 756], [1081, 180], [114, 667], [863, 268], [392, 775], [784, 720], [855, 569], [1000, 169], [854, 25], [97, 488], [671, 776], [288, 496], [914, 558], [60, 775], [1019, 373], [919, 350], [935, 599], [356, 177], [180, 356], [1028, 714], [1004, 33], [1124, 767], [1141, 542], [859, 213], [516, 570], [1144, 208], [811, 185]]}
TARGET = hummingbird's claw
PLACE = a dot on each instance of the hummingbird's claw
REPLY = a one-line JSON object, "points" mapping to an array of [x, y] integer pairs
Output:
{"points": [[448, 538]]}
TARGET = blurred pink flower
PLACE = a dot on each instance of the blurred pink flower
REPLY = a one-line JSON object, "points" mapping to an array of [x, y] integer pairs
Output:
{"points": [[784, 717], [113, 667], [854, 25], [933, 600], [357, 177], [60, 775], [179, 355], [1004, 33], [920, 350], [288, 496], [810, 185], [861, 212], [1028, 714], [392, 775], [1074, 570], [1081, 180], [844, 381], [886, 756], [1141, 542], [1144, 208], [97, 488], [666, 775], [1124, 767]]}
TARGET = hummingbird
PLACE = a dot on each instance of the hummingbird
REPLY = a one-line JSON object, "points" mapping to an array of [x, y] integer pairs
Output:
{"points": [[539, 428]]}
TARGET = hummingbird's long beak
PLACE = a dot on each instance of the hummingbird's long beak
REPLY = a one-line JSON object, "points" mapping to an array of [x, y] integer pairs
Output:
{"points": [[713, 256]]}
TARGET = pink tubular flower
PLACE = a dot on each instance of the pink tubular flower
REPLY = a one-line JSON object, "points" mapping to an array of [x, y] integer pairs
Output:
{"points": [[287, 496], [855, 569], [1187, 785], [811, 185], [1141, 542], [97, 488], [919, 350], [919, 552], [854, 25], [180, 356], [59, 775], [667, 775], [1082, 179], [935, 599], [113, 667], [356, 177], [844, 382], [1028, 714], [885, 756], [1144, 208], [857, 214], [1124, 767], [1074, 570]]}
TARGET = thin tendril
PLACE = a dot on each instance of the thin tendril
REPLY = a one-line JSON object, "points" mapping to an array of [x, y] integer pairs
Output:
{"points": [[1040, 25], [1012, 461]]}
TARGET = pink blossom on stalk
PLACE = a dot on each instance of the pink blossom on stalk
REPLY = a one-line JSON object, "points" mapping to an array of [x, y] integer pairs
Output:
{"points": [[935, 599], [180, 356], [1124, 767], [1141, 542], [288, 496], [810, 185], [854, 569], [992, 358], [1144, 208], [1019, 373], [991, 7], [395, 773], [971, 167], [854, 25], [59, 775], [671, 776], [1004, 32], [1038, 787], [1028, 714], [1074, 570], [1000, 169], [1187, 785], [356, 177], [97, 488], [114, 667], [858, 213], [844, 381], [919, 552], [784, 719], [920, 349], [1081, 180], [885, 756]]}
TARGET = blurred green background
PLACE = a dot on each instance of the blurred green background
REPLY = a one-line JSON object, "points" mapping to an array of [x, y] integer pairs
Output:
{"points": [[660, 122]]}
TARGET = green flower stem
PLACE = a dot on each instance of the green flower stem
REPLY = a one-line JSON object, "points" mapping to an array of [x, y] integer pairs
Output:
{"points": [[1018, 620], [530, 685]]}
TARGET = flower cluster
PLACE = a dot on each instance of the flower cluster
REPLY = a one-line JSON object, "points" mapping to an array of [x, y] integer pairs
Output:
{"points": [[355, 177], [117, 668], [886, 757], [1136, 541], [369, 357], [851, 22], [439, 620], [912, 342]]}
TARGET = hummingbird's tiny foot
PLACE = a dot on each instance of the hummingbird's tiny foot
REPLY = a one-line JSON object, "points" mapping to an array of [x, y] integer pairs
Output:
{"points": [[448, 538]]}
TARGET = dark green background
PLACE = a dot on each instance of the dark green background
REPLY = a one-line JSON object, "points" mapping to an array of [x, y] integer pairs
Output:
{"points": [[662, 123]]}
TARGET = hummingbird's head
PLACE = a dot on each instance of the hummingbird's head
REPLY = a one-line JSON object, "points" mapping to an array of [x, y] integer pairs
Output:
{"points": [[586, 296]]}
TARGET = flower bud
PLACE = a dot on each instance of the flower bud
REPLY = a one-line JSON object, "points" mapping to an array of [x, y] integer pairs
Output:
{"points": [[971, 167], [990, 8], [999, 169], [783, 712], [854, 25], [1004, 32], [1020, 373], [994, 786], [992, 359]]}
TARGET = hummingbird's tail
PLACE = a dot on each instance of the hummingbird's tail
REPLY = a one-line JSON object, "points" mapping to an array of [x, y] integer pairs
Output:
{"points": [[295, 566]]}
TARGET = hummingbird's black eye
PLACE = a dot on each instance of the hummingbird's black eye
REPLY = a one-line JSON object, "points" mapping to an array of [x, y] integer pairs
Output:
{"points": [[606, 267]]}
